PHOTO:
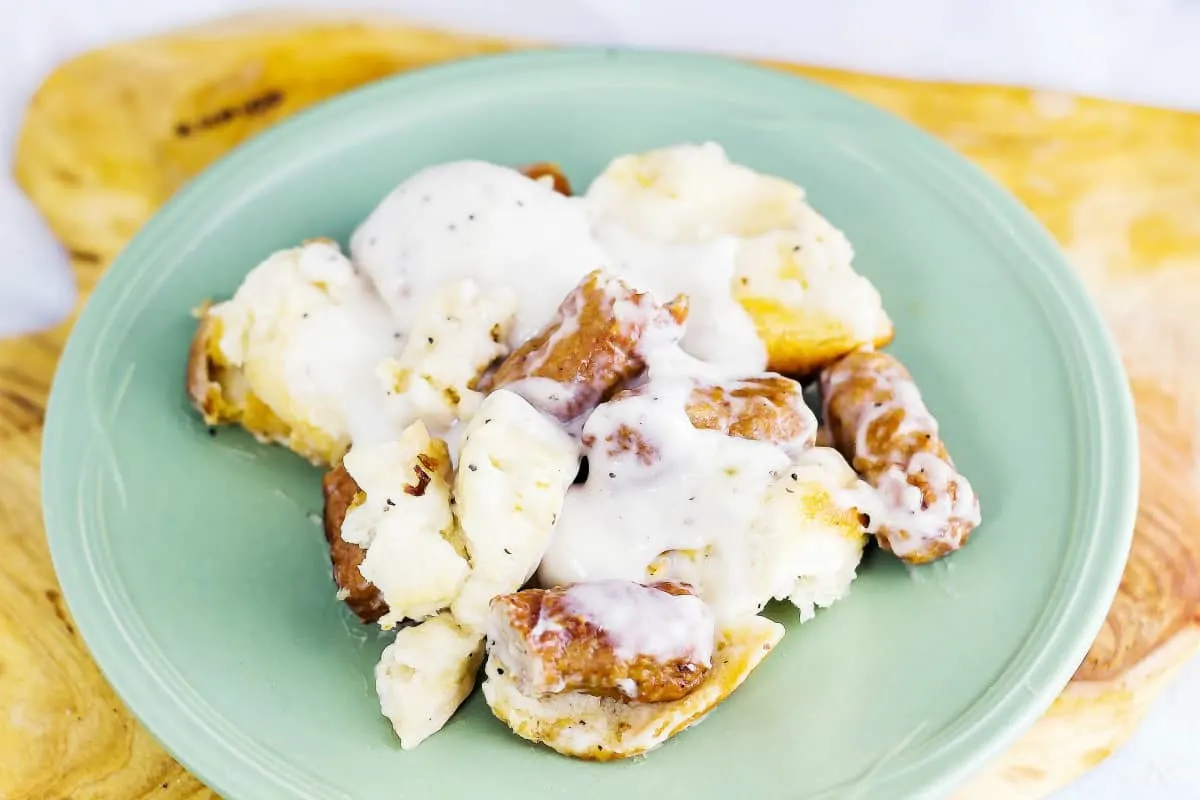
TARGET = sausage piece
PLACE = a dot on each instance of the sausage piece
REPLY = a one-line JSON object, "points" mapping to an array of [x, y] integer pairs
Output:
{"points": [[591, 347], [923, 508], [362, 596], [769, 408], [546, 169], [613, 639]]}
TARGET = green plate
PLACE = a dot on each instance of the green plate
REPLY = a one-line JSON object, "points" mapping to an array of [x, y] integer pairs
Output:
{"points": [[198, 574]]}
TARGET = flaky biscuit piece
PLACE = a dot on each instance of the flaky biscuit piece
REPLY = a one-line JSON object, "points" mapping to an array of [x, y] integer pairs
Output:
{"points": [[395, 549], [291, 357], [804, 546], [604, 728], [922, 507], [425, 675], [592, 346], [809, 305], [221, 394], [800, 343], [554, 641], [404, 521], [459, 332], [793, 272], [515, 467]]}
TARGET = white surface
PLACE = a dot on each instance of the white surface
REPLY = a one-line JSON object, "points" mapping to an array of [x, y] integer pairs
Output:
{"points": [[1126, 49]]}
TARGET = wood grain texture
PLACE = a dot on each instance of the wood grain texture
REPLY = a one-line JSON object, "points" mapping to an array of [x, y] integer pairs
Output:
{"points": [[112, 134]]}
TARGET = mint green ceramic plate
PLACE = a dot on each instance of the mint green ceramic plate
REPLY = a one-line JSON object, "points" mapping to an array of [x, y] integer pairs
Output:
{"points": [[198, 574]]}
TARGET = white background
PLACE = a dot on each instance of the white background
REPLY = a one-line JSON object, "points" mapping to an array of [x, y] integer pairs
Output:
{"points": [[1127, 49]]}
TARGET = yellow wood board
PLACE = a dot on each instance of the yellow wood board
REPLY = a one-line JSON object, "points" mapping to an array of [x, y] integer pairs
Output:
{"points": [[110, 135]]}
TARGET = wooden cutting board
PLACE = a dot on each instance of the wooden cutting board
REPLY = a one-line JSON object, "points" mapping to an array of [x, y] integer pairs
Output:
{"points": [[112, 134]]}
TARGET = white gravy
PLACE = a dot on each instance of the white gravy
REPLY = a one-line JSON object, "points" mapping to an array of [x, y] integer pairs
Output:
{"points": [[642, 621], [672, 487], [471, 219]]}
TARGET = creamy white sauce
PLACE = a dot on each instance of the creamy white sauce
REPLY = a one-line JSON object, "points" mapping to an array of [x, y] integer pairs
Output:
{"points": [[718, 328], [641, 621], [471, 219], [460, 331], [678, 488], [308, 333]]}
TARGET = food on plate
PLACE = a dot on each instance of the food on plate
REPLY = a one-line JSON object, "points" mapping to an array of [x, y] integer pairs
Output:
{"points": [[603, 728], [742, 520], [609, 639], [482, 222], [567, 434], [791, 269], [547, 172], [922, 507], [592, 346], [220, 393], [401, 518], [514, 470], [460, 332], [292, 356], [803, 545], [425, 674], [766, 408], [806, 545], [362, 596]]}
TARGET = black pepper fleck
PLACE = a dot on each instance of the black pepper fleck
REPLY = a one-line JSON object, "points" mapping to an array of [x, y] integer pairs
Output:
{"points": [[795, 477], [396, 335], [472, 467], [430, 340], [612, 474], [304, 315], [390, 502], [471, 217], [507, 552], [212, 431]]}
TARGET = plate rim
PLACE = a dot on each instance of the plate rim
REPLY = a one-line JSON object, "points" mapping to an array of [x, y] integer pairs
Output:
{"points": [[1115, 472]]}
